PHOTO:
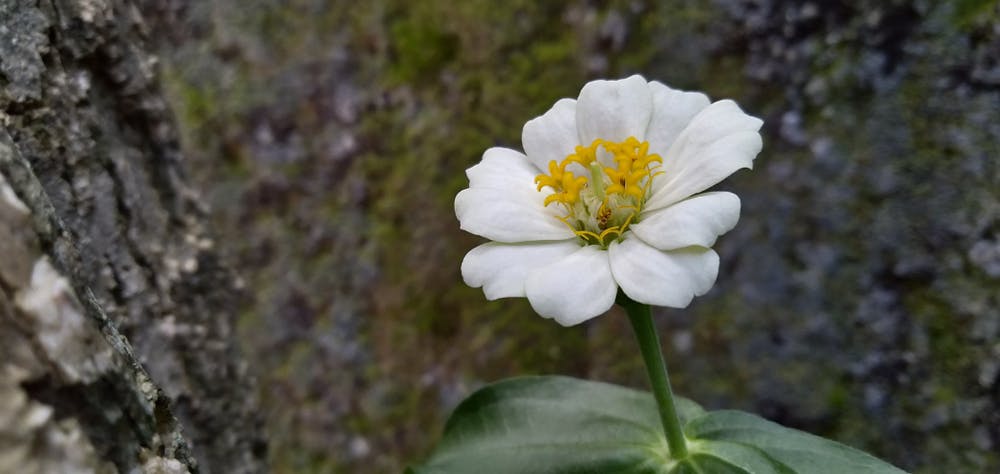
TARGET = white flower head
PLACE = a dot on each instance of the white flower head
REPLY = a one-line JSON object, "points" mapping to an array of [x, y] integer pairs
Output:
{"points": [[608, 195]]}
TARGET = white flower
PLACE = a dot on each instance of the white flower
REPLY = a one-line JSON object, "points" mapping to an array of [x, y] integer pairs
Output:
{"points": [[607, 196]]}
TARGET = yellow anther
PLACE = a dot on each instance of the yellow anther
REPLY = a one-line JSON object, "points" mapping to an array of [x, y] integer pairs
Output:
{"points": [[601, 204], [572, 186], [603, 214]]}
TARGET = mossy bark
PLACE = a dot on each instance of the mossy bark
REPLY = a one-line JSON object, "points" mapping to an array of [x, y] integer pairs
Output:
{"points": [[115, 309]]}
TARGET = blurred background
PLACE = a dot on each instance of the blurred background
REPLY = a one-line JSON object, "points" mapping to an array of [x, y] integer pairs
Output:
{"points": [[857, 298]]}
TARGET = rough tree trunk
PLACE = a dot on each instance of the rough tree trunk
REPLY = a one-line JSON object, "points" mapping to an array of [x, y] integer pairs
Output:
{"points": [[116, 315]]}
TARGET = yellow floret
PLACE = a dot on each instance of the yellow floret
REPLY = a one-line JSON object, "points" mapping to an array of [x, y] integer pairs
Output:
{"points": [[619, 190]]}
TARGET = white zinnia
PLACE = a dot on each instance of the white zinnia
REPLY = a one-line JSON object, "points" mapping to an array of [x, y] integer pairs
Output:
{"points": [[606, 196]]}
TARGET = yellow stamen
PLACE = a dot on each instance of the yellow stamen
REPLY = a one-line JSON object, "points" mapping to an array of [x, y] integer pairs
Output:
{"points": [[600, 207]]}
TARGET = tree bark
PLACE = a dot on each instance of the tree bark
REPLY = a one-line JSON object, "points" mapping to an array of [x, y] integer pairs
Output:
{"points": [[116, 313]]}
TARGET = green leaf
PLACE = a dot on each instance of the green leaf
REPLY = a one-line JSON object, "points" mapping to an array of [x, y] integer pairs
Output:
{"points": [[554, 425], [560, 425], [795, 451], [725, 457]]}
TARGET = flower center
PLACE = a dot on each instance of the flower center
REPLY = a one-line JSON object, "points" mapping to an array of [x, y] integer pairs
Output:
{"points": [[602, 187]]}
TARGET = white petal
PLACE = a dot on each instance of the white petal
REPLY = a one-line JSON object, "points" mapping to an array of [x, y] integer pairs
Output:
{"points": [[661, 278], [614, 110], [672, 112], [503, 168], [551, 136], [695, 221], [503, 203], [508, 215], [574, 289], [501, 269], [719, 140]]}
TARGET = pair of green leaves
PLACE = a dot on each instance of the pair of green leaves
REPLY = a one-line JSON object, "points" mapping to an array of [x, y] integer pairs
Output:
{"points": [[565, 425]]}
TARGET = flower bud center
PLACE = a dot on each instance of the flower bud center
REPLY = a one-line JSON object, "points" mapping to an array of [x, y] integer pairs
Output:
{"points": [[601, 187]]}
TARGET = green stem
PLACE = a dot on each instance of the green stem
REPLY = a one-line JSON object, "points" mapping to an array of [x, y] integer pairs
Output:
{"points": [[649, 343]]}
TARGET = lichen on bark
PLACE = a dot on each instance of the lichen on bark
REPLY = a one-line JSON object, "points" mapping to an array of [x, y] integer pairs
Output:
{"points": [[113, 285]]}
